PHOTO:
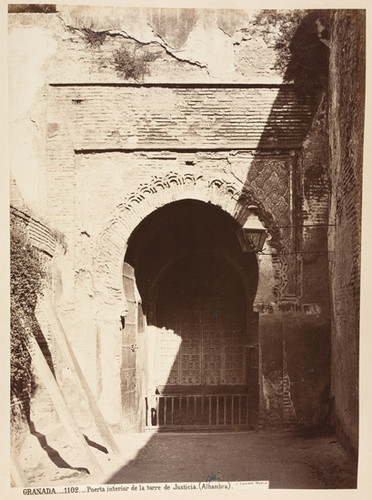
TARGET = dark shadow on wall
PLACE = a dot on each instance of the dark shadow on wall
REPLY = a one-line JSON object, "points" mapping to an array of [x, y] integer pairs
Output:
{"points": [[95, 445], [52, 453], [295, 340]]}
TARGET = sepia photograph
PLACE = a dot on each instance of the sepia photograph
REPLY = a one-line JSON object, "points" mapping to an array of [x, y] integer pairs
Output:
{"points": [[185, 248]]}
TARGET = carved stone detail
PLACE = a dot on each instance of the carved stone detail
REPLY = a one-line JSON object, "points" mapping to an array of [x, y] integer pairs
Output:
{"points": [[231, 196], [269, 180], [280, 275]]}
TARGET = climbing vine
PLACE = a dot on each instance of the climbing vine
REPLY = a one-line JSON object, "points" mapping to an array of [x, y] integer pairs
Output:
{"points": [[277, 28], [26, 273], [300, 39]]}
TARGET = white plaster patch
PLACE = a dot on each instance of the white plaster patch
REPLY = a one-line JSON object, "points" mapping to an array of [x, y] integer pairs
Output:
{"points": [[29, 49]]}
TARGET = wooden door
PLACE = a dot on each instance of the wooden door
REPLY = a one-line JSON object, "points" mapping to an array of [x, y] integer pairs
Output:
{"points": [[203, 314]]}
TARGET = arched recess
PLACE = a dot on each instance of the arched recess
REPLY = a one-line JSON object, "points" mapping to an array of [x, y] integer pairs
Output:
{"points": [[222, 191], [110, 247], [197, 290]]}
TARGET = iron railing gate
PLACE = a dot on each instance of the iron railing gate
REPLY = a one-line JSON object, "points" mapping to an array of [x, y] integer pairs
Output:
{"points": [[197, 411]]}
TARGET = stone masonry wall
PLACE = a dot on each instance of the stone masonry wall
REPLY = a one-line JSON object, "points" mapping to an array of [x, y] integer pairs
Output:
{"points": [[104, 150], [346, 120]]}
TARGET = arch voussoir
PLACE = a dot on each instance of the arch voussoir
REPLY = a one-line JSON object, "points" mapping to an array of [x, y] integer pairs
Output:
{"points": [[222, 191]]}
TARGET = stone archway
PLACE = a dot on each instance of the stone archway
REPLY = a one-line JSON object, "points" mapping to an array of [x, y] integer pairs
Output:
{"points": [[197, 289], [230, 196], [223, 191]]}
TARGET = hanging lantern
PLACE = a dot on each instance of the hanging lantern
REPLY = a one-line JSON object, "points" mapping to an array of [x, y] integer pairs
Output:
{"points": [[252, 235]]}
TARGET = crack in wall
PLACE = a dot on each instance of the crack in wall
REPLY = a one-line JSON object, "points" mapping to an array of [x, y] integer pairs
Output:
{"points": [[155, 33], [122, 33], [224, 32]]}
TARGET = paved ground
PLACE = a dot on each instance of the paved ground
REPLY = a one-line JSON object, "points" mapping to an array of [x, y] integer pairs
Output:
{"points": [[286, 459]]}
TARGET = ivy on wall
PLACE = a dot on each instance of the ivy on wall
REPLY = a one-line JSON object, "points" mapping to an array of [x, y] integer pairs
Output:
{"points": [[26, 274], [277, 28], [301, 41]]}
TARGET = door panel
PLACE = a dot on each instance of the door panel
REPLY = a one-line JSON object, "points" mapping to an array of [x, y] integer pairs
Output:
{"points": [[212, 325]]}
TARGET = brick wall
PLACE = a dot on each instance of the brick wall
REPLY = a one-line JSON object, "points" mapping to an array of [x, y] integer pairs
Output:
{"points": [[200, 117], [346, 119], [40, 235]]}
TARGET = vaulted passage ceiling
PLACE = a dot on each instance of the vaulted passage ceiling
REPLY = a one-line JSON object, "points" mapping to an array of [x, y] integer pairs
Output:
{"points": [[185, 231]]}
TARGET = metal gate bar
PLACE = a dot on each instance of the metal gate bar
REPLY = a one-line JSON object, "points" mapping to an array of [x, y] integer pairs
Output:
{"points": [[196, 411]]}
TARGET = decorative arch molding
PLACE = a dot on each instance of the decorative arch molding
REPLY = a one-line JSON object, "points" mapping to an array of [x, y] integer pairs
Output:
{"points": [[223, 191]]}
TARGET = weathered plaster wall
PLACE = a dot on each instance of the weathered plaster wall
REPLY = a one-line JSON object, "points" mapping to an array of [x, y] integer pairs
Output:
{"points": [[346, 119], [31, 45], [189, 43], [63, 47]]}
